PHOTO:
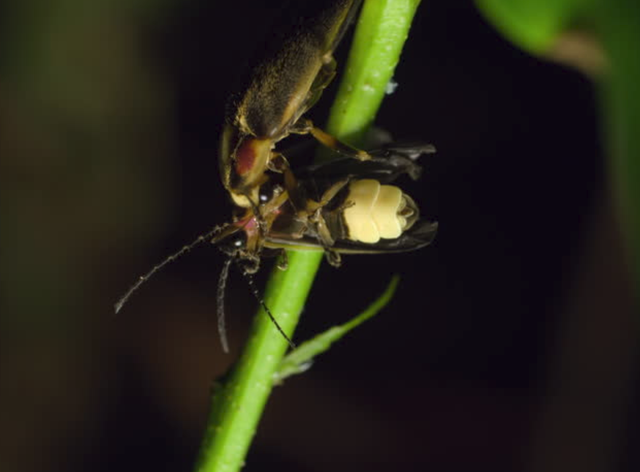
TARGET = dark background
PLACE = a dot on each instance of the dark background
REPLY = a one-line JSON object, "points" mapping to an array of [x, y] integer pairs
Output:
{"points": [[510, 344]]}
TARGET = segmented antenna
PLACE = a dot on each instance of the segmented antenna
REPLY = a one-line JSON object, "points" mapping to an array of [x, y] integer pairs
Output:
{"points": [[200, 239], [222, 284], [256, 294]]}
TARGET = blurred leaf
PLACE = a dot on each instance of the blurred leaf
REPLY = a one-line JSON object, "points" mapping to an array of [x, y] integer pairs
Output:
{"points": [[534, 25], [538, 26]]}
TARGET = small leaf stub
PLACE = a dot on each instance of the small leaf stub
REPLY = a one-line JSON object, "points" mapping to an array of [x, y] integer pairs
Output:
{"points": [[301, 359]]}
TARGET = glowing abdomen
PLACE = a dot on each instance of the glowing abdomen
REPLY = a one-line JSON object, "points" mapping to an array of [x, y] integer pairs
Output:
{"points": [[374, 211]]}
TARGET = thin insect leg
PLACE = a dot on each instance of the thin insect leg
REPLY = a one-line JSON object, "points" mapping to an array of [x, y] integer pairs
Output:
{"points": [[283, 260], [200, 239], [338, 146], [222, 284], [259, 219], [306, 126], [256, 294]]}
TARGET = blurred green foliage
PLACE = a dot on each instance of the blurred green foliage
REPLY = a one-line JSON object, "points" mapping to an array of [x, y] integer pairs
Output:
{"points": [[609, 29]]}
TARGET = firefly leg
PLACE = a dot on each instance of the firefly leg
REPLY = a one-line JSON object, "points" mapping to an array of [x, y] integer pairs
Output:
{"points": [[332, 191], [325, 238], [279, 163], [333, 257], [306, 126], [327, 196], [325, 76], [283, 260]]}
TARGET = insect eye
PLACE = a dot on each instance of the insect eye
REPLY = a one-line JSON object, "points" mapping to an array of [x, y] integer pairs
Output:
{"points": [[233, 245], [268, 191], [239, 240]]}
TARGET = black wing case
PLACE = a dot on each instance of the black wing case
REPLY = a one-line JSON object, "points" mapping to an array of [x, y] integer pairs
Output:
{"points": [[420, 235], [307, 31], [386, 165]]}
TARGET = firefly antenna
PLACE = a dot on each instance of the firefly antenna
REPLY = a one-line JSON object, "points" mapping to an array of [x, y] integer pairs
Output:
{"points": [[222, 284], [256, 294], [200, 239]]}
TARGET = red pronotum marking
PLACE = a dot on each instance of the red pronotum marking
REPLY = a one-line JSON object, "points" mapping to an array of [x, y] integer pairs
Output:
{"points": [[245, 157]]}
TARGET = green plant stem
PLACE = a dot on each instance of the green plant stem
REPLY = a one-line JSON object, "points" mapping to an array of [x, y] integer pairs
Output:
{"points": [[238, 402], [377, 44]]}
